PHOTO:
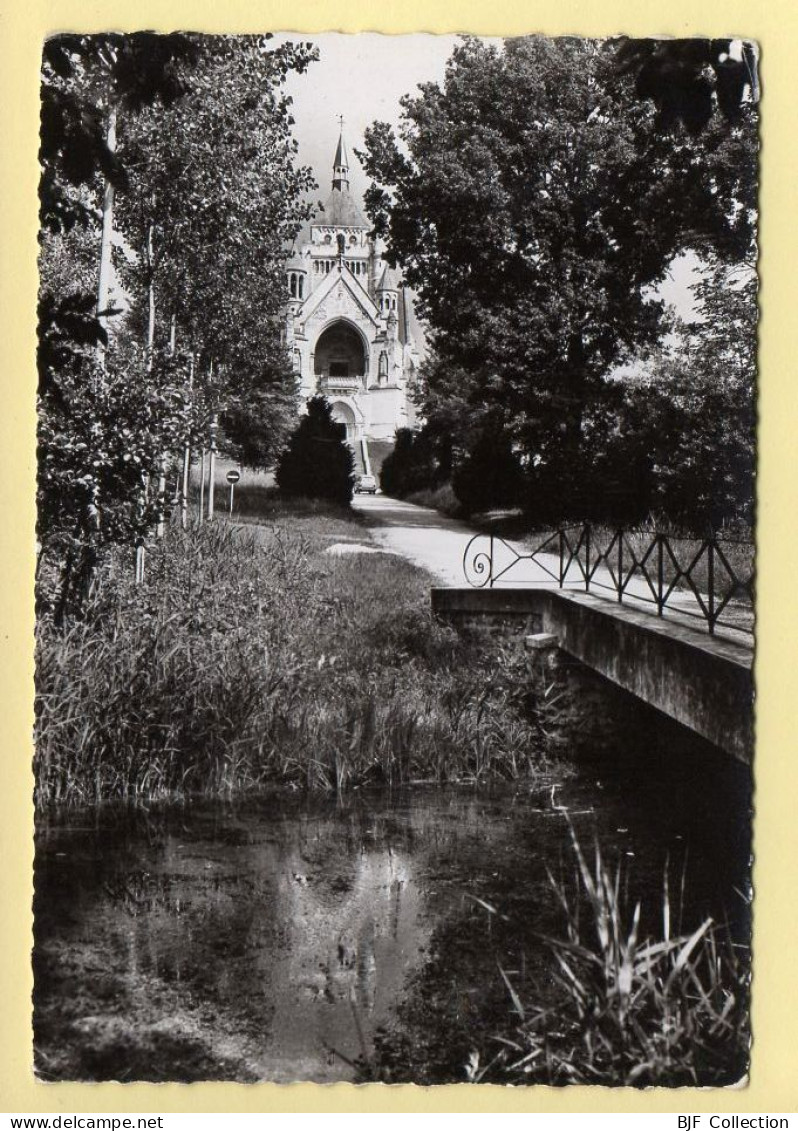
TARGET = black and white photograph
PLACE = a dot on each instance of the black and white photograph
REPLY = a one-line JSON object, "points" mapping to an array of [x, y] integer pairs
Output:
{"points": [[395, 559]]}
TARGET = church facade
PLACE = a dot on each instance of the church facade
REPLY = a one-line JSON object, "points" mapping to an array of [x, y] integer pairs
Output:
{"points": [[350, 327]]}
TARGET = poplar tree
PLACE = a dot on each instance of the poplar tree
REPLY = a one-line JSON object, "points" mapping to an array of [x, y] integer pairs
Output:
{"points": [[193, 190], [213, 195]]}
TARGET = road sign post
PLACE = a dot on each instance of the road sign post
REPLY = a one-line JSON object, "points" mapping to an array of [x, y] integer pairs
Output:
{"points": [[232, 478], [212, 467]]}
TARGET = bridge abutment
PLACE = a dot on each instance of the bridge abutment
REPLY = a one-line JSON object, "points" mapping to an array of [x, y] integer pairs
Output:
{"points": [[703, 682]]}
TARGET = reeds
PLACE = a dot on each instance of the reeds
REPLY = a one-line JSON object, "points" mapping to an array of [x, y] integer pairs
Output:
{"points": [[250, 657], [626, 1008]]}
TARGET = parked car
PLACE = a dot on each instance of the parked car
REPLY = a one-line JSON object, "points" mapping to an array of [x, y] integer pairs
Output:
{"points": [[365, 485]]}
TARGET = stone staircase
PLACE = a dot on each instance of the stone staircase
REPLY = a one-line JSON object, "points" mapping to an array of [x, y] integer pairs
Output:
{"points": [[358, 458], [378, 450], [369, 455], [360, 450]]}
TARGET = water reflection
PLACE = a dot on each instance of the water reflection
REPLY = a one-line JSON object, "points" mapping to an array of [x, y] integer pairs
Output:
{"points": [[294, 939]]}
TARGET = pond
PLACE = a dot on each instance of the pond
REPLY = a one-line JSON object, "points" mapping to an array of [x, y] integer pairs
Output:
{"points": [[309, 938]]}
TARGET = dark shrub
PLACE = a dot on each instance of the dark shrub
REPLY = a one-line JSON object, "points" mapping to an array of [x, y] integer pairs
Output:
{"points": [[415, 464], [490, 475], [318, 463]]}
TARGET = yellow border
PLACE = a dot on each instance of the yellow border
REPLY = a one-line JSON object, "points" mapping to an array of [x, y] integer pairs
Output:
{"points": [[774, 1083]]}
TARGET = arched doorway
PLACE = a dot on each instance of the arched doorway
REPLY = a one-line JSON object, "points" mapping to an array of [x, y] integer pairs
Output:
{"points": [[339, 358], [343, 414]]}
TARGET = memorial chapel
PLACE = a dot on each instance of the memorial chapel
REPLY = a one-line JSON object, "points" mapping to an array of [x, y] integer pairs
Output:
{"points": [[350, 326]]}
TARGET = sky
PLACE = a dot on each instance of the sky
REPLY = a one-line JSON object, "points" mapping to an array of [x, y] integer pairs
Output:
{"points": [[363, 77]]}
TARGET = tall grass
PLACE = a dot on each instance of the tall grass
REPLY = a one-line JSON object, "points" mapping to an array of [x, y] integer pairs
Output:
{"points": [[317, 518], [250, 657], [624, 1007]]}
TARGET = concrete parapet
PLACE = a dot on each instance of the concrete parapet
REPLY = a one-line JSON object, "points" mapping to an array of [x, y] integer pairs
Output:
{"points": [[493, 611]]}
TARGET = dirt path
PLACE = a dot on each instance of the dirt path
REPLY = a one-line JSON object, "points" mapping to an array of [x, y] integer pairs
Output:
{"points": [[433, 541]]}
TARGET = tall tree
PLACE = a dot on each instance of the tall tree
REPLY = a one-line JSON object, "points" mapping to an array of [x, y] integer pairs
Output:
{"points": [[86, 82], [213, 195], [535, 204], [206, 190], [703, 429], [690, 80]]}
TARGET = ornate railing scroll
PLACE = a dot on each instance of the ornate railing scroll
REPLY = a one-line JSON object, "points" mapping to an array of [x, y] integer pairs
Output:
{"points": [[695, 576], [484, 565]]}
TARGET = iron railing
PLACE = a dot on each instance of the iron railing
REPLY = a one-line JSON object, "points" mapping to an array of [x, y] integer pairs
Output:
{"points": [[691, 576]]}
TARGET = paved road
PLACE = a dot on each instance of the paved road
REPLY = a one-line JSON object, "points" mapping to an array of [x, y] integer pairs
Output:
{"points": [[438, 543]]}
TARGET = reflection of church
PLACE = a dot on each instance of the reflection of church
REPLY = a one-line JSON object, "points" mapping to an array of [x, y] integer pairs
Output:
{"points": [[350, 326]]}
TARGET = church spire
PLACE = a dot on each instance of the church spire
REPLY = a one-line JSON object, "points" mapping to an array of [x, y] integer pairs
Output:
{"points": [[341, 163]]}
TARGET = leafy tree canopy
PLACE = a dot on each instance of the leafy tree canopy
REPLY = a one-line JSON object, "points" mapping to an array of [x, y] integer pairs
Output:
{"points": [[213, 194], [689, 79], [82, 77], [206, 189], [535, 204]]}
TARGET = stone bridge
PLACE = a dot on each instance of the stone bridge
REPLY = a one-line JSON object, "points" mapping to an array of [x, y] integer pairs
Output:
{"points": [[703, 682]]}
